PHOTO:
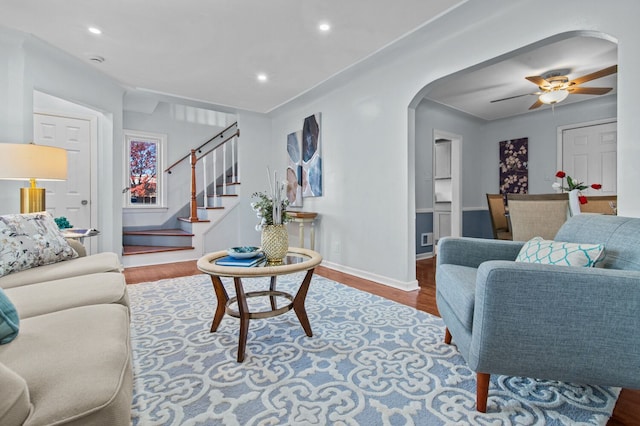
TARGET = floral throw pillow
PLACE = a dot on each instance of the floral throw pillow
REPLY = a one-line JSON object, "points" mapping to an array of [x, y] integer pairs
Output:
{"points": [[29, 240], [539, 250]]}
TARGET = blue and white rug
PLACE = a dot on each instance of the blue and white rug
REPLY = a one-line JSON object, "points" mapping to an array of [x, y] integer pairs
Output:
{"points": [[370, 362]]}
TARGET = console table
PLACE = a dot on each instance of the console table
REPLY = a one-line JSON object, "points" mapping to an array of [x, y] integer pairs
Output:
{"points": [[302, 218]]}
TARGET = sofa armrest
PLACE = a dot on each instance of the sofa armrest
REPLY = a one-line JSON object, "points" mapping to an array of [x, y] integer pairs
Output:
{"points": [[15, 404], [474, 251], [77, 246], [559, 322]]}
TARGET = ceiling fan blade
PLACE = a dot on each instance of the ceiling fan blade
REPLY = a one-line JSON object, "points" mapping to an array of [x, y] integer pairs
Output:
{"points": [[513, 97], [537, 104], [589, 90], [594, 75], [538, 81]]}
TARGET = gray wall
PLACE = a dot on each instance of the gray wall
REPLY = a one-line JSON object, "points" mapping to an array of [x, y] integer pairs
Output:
{"points": [[481, 157], [541, 129]]}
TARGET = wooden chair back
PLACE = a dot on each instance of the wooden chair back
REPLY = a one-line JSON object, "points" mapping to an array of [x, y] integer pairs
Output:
{"points": [[599, 204], [499, 222]]}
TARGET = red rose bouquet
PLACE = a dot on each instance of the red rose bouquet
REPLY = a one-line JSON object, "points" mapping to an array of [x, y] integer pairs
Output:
{"points": [[574, 184]]}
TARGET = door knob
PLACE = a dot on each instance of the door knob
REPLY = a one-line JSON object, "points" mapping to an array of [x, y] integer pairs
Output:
{"points": [[84, 202]]}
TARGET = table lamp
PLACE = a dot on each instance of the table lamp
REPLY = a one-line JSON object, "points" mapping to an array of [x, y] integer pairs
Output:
{"points": [[30, 162]]}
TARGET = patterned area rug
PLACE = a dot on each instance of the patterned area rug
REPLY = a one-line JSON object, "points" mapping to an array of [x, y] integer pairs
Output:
{"points": [[370, 362]]}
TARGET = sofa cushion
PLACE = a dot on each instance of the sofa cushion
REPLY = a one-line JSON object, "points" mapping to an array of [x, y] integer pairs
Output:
{"points": [[101, 262], [14, 398], [9, 320], [538, 250], [77, 365], [50, 296], [457, 285], [29, 240]]}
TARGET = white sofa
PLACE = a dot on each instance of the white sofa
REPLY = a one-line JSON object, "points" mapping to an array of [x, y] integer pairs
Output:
{"points": [[70, 362]]}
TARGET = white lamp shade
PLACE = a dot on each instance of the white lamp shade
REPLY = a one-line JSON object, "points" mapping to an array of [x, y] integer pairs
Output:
{"points": [[554, 96], [29, 161]]}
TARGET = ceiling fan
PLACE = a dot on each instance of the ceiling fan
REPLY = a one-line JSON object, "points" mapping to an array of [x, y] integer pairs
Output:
{"points": [[555, 86]]}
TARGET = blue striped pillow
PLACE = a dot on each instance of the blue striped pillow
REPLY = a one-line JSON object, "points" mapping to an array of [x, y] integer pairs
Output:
{"points": [[9, 320], [538, 250]]}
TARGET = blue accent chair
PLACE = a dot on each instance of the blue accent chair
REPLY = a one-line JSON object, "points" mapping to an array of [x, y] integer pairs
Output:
{"points": [[565, 323]]}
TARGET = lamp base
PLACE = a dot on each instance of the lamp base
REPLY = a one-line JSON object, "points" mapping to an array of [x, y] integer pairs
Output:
{"points": [[32, 200]]}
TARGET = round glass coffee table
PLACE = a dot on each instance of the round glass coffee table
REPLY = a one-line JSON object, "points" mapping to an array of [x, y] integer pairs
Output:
{"points": [[296, 260]]}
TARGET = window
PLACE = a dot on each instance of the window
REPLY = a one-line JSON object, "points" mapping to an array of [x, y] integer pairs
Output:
{"points": [[144, 169]]}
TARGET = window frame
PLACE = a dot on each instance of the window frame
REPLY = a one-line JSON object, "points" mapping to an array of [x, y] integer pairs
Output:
{"points": [[161, 148]]}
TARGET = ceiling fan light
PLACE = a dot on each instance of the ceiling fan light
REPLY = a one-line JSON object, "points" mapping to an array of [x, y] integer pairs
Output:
{"points": [[554, 96]]}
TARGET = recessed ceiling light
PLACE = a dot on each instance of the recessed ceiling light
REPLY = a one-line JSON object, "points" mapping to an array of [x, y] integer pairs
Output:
{"points": [[262, 77], [95, 30], [324, 26]]}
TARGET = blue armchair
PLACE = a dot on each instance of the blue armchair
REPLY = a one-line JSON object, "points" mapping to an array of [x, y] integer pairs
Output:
{"points": [[565, 323]]}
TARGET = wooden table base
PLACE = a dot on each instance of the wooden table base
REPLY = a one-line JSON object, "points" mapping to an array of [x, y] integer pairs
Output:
{"points": [[224, 303]]}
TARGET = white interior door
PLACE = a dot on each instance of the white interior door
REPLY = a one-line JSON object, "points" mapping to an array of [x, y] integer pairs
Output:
{"points": [[589, 154], [71, 198]]}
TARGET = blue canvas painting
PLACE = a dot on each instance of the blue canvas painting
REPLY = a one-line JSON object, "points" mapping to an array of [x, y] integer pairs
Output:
{"points": [[311, 157]]}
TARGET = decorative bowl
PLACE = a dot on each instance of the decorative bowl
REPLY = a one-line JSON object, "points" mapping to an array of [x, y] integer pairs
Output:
{"points": [[243, 252]]}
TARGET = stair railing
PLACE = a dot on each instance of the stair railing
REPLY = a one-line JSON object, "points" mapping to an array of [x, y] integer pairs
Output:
{"points": [[214, 146]]}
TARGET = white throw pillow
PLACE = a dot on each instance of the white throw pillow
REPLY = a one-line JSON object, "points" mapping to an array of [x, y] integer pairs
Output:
{"points": [[29, 240], [539, 250]]}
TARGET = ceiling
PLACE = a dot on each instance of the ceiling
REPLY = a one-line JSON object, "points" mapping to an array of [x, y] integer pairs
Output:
{"points": [[472, 90], [213, 50]]}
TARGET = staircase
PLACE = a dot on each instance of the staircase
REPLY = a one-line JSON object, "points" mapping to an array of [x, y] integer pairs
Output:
{"points": [[214, 165]]}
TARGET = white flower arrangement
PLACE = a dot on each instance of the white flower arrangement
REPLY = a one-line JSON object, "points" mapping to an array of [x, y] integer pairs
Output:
{"points": [[271, 208]]}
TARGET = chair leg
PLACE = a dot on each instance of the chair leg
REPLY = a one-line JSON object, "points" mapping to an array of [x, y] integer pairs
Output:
{"points": [[447, 336], [482, 391]]}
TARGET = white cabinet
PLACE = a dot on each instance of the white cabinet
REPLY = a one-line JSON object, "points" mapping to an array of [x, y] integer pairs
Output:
{"points": [[442, 159], [442, 188]]}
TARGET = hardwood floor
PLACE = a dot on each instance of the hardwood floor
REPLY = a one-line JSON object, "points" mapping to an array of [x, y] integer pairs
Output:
{"points": [[626, 412]]}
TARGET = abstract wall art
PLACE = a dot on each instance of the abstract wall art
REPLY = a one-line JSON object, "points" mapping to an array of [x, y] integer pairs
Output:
{"points": [[311, 157], [514, 166], [294, 168]]}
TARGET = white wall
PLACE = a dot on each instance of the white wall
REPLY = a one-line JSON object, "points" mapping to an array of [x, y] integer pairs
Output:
{"points": [[368, 210], [186, 127], [255, 153], [34, 65], [368, 206]]}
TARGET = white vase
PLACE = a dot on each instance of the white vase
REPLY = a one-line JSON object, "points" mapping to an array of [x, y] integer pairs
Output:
{"points": [[574, 202]]}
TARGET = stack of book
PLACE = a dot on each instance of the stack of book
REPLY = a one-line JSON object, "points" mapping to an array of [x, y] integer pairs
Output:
{"points": [[232, 261]]}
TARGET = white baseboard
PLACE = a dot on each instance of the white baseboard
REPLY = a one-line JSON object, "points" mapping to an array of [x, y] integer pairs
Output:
{"points": [[427, 255], [406, 286]]}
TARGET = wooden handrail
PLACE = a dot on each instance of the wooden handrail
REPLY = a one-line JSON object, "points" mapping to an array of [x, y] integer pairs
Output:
{"points": [[193, 206], [219, 135]]}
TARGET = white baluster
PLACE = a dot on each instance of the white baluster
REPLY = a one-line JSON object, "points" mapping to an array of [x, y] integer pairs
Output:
{"points": [[215, 177], [235, 144], [233, 160], [204, 181], [224, 169]]}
